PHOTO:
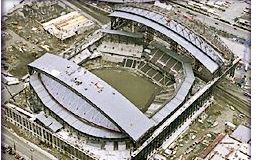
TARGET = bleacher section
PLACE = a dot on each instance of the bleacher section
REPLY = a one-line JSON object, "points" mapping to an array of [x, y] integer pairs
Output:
{"points": [[174, 64], [165, 62], [179, 98], [156, 75], [129, 50], [156, 55]]}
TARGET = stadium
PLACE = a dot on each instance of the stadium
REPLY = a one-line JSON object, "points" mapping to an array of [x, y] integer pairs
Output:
{"points": [[93, 92]]}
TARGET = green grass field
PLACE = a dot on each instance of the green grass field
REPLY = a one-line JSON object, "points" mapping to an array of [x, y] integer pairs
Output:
{"points": [[139, 90]]}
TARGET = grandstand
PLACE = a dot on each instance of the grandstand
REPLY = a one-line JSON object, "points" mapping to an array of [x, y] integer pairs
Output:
{"points": [[129, 50]]}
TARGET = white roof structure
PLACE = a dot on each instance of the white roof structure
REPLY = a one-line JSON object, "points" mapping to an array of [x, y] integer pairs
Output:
{"points": [[49, 121], [94, 91], [242, 134], [230, 148], [76, 104], [199, 48], [75, 122], [67, 25]]}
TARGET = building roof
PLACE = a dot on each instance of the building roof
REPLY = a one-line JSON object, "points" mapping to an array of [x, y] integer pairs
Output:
{"points": [[67, 25], [48, 101], [49, 121], [202, 51], [67, 21], [229, 148], [76, 104], [94, 90], [242, 134], [212, 145]]}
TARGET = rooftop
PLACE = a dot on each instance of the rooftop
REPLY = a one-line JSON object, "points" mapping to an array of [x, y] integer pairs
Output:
{"points": [[196, 45], [67, 25], [242, 134], [103, 97], [230, 148]]}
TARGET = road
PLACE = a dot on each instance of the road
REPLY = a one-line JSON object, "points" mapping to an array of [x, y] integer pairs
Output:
{"points": [[24, 147], [210, 21], [235, 9], [223, 26]]}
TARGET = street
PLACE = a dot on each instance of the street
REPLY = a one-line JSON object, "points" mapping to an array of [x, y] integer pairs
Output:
{"points": [[29, 151], [210, 21]]}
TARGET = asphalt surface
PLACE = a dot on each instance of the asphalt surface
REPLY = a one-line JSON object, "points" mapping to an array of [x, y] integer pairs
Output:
{"points": [[210, 21], [22, 146], [236, 9], [6, 156], [223, 26]]}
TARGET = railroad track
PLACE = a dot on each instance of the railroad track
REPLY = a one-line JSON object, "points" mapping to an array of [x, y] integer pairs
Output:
{"points": [[241, 105]]}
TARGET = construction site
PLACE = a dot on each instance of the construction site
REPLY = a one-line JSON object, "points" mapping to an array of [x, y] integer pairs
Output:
{"points": [[222, 117], [123, 80], [25, 36]]}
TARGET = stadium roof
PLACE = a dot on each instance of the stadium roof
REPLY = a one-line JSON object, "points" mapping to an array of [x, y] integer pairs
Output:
{"points": [[103, 97], [76, 104], [68, 117], [49, 121], [202, 51]]}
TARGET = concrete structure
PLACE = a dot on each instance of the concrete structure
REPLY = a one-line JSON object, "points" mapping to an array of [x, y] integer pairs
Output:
{"points": [[165, 51], [129, 50], [242, 134], [202, 51], [34, 129], [68, 25], [235, 147], [49, 122], [90, 93]]}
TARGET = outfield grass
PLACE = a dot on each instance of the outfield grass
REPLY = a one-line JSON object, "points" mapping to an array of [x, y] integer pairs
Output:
{"points": [[139, 90]]}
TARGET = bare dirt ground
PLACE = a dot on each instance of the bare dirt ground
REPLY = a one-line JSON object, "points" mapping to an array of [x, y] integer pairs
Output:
{"points": [[25, 39]]}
